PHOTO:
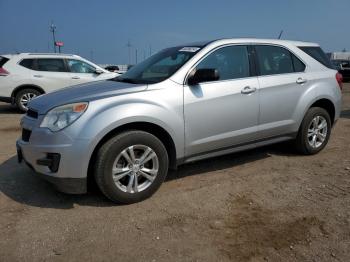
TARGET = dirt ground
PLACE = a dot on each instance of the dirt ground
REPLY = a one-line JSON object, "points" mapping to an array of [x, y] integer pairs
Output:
{"points": [[268, 204]]}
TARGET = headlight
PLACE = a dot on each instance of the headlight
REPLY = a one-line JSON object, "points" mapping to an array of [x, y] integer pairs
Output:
{"points": [[63, 116]]}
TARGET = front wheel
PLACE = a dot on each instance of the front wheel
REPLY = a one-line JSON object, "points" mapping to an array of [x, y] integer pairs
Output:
{"points": [[24, 96], [314, 131], [131, 166]]}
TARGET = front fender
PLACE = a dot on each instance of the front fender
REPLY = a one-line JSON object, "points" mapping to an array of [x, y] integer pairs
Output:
{"points": [[104, 116]]}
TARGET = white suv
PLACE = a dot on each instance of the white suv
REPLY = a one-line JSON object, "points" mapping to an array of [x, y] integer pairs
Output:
{"points": [[25, 76]]}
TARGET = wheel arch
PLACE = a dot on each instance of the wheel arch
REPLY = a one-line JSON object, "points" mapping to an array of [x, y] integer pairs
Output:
{"points": [[25, 86], [151, 128], [327, 105]]}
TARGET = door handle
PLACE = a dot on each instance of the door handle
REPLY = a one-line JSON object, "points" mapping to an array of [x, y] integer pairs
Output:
{"points": [[38, 76], [248, 90], [301, 81], [75, 77]]}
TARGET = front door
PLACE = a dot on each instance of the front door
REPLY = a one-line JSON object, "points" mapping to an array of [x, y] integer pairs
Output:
{"points": [[223, 113], [81, 72]]}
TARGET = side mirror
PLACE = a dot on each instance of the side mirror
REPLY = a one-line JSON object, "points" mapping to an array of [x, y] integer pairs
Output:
{"points": [[203, 75], [98, 71]]}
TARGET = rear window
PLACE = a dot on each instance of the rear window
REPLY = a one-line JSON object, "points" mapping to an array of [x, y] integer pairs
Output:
{"points": [[317, 53], [27, 63], [3, 60], [273, 60], [51, 65]]}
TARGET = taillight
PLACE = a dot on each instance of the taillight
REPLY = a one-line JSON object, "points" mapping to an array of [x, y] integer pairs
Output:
{"points": [[3, 72], [339, 78]]}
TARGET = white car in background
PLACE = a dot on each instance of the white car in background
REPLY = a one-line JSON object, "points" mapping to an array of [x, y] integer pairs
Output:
{"points": [[27, 75]]}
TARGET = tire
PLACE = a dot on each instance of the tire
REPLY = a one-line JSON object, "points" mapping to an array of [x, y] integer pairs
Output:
{"points": [[28, 93], [304, 141], [110, 156]]}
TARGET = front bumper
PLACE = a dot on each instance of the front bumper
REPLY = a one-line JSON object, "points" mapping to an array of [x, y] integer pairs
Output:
{"points": [[69, 185], [57, 157]]}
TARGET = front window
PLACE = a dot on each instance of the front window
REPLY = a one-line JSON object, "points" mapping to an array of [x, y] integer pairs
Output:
{"points": [[77, 66], [159, 66], [232, 62]]}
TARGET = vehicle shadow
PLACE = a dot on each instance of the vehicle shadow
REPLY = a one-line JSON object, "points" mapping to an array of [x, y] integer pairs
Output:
{"points": [[8, 109], [231, 160], [345, 114], [22, 185]]}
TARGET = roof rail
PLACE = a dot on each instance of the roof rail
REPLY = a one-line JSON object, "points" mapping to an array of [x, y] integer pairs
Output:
{"points": [[58, 54]]}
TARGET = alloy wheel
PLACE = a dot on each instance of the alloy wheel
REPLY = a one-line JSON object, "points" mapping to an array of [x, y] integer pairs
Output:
{"points": [[26, 98], [317, 131], [135, 168]]}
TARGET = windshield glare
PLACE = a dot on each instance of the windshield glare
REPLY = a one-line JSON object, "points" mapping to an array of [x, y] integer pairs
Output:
{"points": [[159, 66]]}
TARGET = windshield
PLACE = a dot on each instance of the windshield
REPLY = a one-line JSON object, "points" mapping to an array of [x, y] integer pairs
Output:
{"points": [[159, 66]]}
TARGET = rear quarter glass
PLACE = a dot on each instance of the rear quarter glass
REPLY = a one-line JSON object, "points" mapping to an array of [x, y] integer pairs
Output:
{"points": [[317, 53], [27, 63], [3, 60]]}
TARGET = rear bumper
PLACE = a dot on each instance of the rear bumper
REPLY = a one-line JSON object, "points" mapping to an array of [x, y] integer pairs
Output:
{"points": [[6, 99]]}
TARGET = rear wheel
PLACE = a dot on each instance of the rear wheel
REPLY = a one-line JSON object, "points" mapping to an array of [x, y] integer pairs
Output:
{"points": [[131, 166], [314, 131], [24, 96]]}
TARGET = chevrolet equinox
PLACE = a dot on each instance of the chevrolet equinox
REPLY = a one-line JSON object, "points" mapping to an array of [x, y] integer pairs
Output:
{"points": [[183, 104]]}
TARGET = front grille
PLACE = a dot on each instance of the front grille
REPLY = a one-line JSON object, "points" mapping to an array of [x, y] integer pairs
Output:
{"points": [[26, 134], [31, 113]]}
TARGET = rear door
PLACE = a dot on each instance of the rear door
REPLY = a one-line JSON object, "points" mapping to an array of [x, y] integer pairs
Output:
{"points": [[282, 81], [50, 74]]}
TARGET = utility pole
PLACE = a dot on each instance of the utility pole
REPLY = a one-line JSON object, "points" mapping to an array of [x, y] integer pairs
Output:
{"points": [[150, 50], [53, 30], [129, 50], [135, 56]]}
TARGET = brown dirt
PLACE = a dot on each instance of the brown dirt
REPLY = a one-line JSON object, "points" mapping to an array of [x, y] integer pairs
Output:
{"points": [[268, 204]]}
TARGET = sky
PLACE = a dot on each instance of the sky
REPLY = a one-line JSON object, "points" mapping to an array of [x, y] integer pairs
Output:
{"points": [[100, 30]]}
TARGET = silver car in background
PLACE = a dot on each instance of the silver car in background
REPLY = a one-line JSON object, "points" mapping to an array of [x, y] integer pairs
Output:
{"points": [[183, 104]]}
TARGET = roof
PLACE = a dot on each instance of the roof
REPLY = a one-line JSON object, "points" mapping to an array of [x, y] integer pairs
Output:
{"points": [[264, 41], [41, 54], [248, 40]]}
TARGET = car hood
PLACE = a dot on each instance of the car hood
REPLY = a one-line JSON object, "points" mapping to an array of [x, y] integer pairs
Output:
{"points": [[83, 93]]}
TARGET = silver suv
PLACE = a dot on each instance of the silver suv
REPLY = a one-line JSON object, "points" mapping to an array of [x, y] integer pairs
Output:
{"points": [[184, 104]]}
